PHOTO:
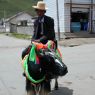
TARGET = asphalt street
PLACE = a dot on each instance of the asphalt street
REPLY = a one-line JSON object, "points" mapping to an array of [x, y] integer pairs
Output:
{"points": [[80, 60]]}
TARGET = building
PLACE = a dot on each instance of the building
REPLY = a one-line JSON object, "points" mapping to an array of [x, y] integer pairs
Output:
{"points": [[20, 23], [74, 15], [79, 15]]}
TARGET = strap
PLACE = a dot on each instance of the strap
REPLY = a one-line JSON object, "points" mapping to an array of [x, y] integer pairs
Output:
{"points": [[42, 27]]}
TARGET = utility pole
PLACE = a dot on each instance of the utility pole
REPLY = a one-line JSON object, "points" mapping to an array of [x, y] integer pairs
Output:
{"points": [[71, 16], [58, 26], [91, 17]]}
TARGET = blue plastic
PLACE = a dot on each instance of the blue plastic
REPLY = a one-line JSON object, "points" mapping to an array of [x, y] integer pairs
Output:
{"points": [[76, 26]]}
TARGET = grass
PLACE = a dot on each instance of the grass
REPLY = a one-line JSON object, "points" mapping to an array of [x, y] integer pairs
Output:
{"points": [[19, 36]]}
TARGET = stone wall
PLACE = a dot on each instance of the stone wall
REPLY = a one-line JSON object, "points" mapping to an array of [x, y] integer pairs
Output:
{"points": [[25, 30]]}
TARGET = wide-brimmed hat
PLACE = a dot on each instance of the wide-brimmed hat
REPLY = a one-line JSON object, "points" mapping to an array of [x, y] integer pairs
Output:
{"points": [[40, 5]]}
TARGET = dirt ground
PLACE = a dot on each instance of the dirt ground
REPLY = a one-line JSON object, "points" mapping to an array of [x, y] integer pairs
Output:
{"points": [[76, 41]]}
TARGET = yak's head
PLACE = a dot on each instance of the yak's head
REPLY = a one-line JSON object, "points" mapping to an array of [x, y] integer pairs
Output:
{"points": [[53, 64]]}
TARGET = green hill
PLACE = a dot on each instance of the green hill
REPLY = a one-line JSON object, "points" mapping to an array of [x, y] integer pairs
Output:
{"points": [[11, 7]]}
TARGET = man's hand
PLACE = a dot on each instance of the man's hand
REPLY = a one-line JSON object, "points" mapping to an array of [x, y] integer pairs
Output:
{"points": [[38, 41]]}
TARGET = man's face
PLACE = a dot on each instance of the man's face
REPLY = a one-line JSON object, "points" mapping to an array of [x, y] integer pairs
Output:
{"points": [[40, 12]]}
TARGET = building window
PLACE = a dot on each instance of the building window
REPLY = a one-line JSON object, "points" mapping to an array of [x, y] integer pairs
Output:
{"points": [[24, 23]]}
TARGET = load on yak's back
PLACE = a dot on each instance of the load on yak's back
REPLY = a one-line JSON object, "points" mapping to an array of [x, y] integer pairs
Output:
{"points": [[43, 61]]}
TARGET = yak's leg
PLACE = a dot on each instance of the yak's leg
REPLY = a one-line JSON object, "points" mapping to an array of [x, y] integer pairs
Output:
{"points": [[56, 83]]}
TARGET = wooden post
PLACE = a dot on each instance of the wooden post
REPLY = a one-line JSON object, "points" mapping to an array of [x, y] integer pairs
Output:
{"points": [[71, 16], [91, 17]]}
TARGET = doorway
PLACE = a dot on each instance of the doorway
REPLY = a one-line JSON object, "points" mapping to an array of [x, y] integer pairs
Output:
{"points": [[80, 21]]}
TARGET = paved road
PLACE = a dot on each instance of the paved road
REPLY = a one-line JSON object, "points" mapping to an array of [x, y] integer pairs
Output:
{"points": [[80, 61], [11, 80]]}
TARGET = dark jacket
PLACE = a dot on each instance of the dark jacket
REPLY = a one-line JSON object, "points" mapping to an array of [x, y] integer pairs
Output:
{"points": [[48, 29]]}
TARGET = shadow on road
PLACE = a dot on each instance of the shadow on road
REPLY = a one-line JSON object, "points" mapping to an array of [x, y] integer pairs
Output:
{"points": [[62, 91]]}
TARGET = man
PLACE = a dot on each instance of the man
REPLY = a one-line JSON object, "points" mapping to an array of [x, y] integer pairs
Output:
{"points": [[43, 30], [43, 25]]}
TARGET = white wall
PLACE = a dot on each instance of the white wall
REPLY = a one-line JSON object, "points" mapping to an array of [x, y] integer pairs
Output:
{"points": [[51, 4], [25, 30], [52, 11], [61, 15]]}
